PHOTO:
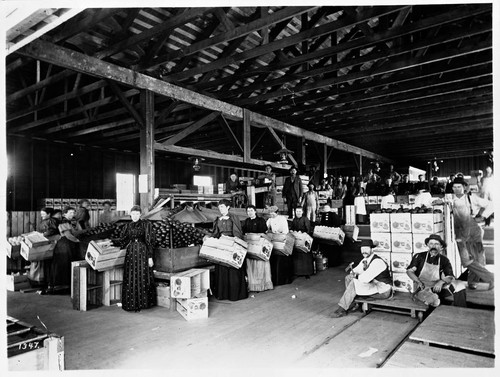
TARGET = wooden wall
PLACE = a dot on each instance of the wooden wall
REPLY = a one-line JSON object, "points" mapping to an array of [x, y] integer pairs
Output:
{"points": [[40, 169]]}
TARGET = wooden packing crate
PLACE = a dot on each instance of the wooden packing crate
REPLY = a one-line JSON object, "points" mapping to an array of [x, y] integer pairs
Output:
{"points": [[193, 308], [17, 282], [163, 297], [37, 253], [228, 251], [29, 348], [178, 259], [92, 288], [33, 239], [336, 235], [190, 283], [303, 241], [282, 243], [104, 258], [259, 246], [12, 251]]}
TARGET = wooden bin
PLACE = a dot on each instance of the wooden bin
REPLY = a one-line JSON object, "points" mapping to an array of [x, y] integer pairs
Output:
{"points": [[29, 348], [179, 259]]}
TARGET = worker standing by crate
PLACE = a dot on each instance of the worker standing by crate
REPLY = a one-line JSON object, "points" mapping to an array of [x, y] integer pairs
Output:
{"points": [[138, 287]]}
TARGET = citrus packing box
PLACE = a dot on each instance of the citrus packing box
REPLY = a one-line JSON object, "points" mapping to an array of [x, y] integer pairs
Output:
{"points": [[427, 223], [190, 283], [380, 223], [228, 251], [401, 242], [282, 243], [400, 261], [401, 282], [17, 282], [334, 234], [193, 308], [259, 246], [400, 222], [382, 241], [303, 241], [102, 255]]}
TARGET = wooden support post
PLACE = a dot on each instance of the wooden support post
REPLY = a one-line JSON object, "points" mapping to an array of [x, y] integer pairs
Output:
{"points": [[301, 150], [325, 161], [247, 146], [106, 288], [360, 164], [147, 157], [251, 194]]}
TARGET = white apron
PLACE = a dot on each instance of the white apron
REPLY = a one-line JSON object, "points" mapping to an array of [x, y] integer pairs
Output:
{"points": [[366, 289]]}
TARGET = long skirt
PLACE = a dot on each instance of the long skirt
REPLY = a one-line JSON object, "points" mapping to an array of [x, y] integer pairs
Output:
{"points": [[39, 273], [281, 269], [303, 263], [259, 275], [138, 288], [230, 283], [65, 252]]}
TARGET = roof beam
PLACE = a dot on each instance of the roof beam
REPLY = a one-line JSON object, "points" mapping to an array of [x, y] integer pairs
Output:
{"points": [[195, 126], [229, 35], [81, 63]]}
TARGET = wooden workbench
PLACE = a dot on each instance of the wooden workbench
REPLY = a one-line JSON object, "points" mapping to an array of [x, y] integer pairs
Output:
{"points": [[460, 328]]}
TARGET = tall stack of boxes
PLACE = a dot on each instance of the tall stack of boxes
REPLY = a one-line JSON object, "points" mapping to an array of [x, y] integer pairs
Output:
{"points": [[60, 203], [399, 236]]}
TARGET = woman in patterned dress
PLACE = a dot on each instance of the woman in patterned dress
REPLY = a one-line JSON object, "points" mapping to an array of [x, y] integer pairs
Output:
{"points": [[230, 282], [138, 287]]}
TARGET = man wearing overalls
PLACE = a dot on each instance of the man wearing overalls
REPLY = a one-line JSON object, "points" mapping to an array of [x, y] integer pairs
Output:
{"points": [[468, 211]]}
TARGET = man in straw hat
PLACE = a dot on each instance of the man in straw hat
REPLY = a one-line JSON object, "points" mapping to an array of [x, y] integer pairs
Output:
{"points": [[370, 277], [433, 275], [468, 212]]}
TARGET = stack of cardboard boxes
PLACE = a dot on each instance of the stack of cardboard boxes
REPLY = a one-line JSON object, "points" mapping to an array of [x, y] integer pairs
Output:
{"points": [[399, 236]]}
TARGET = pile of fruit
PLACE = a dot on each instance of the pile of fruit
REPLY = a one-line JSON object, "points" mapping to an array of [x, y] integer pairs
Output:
{"points": [[101, 228], [422, 209], [174, 234]]}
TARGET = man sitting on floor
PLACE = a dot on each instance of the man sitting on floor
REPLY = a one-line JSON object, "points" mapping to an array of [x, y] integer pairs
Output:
{"points": [[371, 277], [433, 275]]}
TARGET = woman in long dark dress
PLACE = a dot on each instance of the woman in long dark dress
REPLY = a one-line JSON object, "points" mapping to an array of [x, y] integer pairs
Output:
{"points": [[281, 266], [230, 282], [303, 263], [138, 287], [65, 252], [40, 270], [258, 271]]}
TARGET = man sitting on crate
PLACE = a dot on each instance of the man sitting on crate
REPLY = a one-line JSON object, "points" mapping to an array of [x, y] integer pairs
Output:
{"points": [[433, 275], [371, 277]]}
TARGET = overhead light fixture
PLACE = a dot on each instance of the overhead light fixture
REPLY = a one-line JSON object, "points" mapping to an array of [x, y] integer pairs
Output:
{"points": [[196, 162], [283, 153]]}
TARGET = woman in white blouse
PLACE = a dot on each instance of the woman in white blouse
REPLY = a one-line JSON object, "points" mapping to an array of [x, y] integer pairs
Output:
{"points": [[281, 265]]}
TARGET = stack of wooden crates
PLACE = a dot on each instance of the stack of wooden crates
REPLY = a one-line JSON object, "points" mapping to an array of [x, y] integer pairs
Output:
{"points": [[190, 290], [399, 236]]}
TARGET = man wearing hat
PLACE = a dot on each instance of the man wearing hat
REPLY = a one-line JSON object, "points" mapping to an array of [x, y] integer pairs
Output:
{"points": [[292, 191], [370, 277], [433, 274], [468, 211]]}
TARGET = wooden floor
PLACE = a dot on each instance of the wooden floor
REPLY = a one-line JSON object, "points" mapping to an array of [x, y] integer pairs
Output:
{"points": [[270, 330]]}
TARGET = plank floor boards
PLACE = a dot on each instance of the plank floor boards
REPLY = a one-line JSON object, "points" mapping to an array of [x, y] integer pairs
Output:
{"points": [[270, 330], [422, 356]]}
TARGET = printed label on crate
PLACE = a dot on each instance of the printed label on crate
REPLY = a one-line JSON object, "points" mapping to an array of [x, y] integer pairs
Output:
{"points": [[229, 251], [382, 241], [401, 282], [402, 243], [189, 284], [400, 261], [259, 246], [193, 308], [427, 223], [303, 241], [380, 223], [400, 222]]}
